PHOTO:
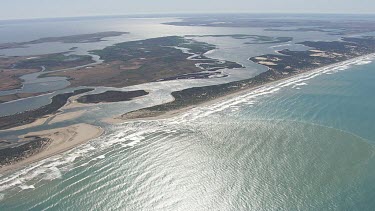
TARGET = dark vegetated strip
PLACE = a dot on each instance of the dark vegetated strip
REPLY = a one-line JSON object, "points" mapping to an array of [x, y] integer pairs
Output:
{"points": [[111, 96], [17, 153], [30, 116]]}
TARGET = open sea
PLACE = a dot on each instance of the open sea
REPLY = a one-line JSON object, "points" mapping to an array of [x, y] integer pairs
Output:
{"points": [[306, 143]]}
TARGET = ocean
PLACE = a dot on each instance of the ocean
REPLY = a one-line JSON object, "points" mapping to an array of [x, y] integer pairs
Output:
{"points": [[306, 143]]}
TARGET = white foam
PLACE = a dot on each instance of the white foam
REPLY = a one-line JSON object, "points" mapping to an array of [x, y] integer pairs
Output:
{"points": [[47, 169], [84, 164], [297, 85], [101, 157], [363, 62], [210, 52], [26, 187], [53, 173]]}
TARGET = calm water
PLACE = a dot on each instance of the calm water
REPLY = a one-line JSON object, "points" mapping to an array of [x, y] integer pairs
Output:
{"points": [[306, 144]]}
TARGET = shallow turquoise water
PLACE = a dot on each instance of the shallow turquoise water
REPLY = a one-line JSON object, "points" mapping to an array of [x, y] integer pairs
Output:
{"points": [[308, 146]]}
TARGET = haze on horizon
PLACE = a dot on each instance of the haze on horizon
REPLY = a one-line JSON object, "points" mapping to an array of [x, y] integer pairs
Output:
{"points": [[25, 9]]}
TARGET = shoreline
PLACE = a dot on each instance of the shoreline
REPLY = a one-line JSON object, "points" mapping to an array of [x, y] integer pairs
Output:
{"points": [[155, 115], [66, 138], [61, 140]]}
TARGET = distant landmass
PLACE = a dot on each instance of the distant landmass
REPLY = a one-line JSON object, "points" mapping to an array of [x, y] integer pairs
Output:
{"points": [[81, 38]]}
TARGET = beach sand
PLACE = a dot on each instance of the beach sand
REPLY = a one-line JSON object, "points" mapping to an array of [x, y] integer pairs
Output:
{"points": [[62, 140], [66, 116]]}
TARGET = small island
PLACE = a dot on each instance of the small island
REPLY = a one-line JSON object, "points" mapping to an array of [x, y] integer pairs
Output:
{"points": [[111, 96]]}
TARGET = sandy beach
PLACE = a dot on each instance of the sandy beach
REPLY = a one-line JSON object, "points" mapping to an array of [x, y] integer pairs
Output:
{"points": [[62, 140]]}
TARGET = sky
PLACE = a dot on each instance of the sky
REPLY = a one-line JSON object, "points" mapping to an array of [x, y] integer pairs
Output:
{"points": [[25, 9]]}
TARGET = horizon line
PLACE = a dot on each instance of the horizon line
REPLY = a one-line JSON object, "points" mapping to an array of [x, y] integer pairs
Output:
{"points": [[183, 13]]}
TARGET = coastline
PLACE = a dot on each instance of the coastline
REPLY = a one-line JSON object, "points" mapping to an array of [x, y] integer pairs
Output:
{"points": [[66, 138], [144, 114], [61, 140]]}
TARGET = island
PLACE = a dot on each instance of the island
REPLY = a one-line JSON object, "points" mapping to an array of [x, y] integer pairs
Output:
{"points": [[80, 38], [111, 96]]}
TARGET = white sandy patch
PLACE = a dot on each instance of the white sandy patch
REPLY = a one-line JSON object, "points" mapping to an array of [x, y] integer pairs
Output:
{"points": [[268, 63], [260, 58]]}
